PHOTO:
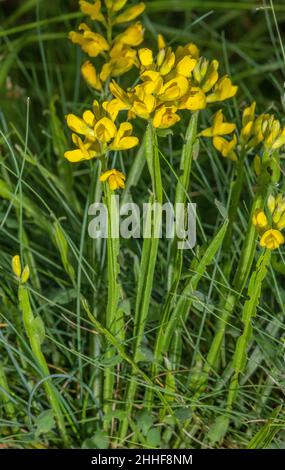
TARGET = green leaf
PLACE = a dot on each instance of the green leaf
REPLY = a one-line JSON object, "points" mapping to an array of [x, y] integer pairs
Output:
{"points": [[182, 414], [44, 423], [153, 437], [100, 440], [218, 430]]}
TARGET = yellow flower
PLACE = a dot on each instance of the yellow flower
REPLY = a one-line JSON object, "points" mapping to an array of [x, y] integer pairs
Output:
{"points": [[92, 9], [124, 139], [194, 100], [272, 239], [146, 57], [115, 5], [226, 147], [132, 36], [86, 150], [130, 14], [260, 220], [271, 236], [160, 42], [165, 117], [122, 59], [173, 89], [115, 179], [185, 66], [189, 50], [91, 43], [105, 130], [16, 265], [167, 59], [247, 123], [89, 74], [22, 276], [206, 73], [219, 127], [223, 90], [100, 134], [271, 203]]}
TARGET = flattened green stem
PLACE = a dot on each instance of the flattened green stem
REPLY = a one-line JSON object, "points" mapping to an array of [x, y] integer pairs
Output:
{"points": [[147, 268], [241, 277], [234, 201], [112, 320], [249, 312], [181, 195], [181, 310], [35, 332]]}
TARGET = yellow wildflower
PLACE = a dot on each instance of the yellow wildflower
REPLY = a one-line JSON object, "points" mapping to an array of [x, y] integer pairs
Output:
{"points": [[272, 239], [219, 127], [226, 147], [115, 179], [247, 123], [132, 36], [206, 74], [165, 117], [22, 275], [92, 9], [16, 265], [91, 43], [260, 220], [270, 230], [100, 134], [130, 14], [194, 100], [123, 139], [89, 73], [223, 90]]}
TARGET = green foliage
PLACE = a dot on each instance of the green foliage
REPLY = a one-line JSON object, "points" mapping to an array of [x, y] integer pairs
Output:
{"points": [[175, 330]]}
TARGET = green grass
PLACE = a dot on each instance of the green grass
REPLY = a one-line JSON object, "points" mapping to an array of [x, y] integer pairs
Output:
{"points": [[44, 203]]}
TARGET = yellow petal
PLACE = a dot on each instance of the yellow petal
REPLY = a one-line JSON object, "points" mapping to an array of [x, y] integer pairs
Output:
{"points": [[146, 57], [89, 118], [74, 156], [25, 274], [105, 130], [130, 14], [90, 76], [92, 10], [185, 66], [16, 265], [271, 203], [77, 124], [160, 42], [272, 239]]}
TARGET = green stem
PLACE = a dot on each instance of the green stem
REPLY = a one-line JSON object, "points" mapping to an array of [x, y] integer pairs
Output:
{"points": [[113, 270], [249, 312], [166, 329], [35, 331], [234, 200], [147, 267], [181, 195]]}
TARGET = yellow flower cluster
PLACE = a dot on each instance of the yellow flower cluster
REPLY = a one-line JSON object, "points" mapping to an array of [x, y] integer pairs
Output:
{"points": [[118, 53], [270, 227], [171, 82], [99, 132], [265, 130]]}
